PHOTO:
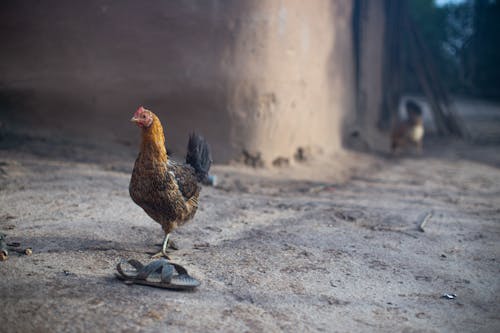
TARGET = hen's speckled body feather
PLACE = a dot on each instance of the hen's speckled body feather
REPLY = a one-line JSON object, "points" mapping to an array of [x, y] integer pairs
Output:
{"points": [[167, 191]]}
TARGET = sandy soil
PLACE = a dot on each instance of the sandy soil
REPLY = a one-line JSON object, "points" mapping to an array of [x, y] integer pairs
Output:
{"points": [[273, 253]]}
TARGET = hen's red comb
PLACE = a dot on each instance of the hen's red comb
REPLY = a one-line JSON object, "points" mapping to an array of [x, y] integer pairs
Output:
{"points": [[139, 111]]}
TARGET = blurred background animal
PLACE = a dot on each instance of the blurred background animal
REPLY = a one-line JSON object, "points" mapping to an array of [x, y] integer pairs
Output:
{"points": [[409, 131]]}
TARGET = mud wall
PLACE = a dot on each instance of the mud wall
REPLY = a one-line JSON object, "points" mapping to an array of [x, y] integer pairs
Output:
{"points": [[266, 75]]}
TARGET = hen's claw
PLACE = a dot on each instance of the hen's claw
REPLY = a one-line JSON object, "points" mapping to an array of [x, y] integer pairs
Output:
{"points": [[161, 254]]}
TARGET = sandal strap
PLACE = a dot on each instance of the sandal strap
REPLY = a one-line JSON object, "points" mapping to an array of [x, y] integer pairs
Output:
{"points": [[150, 268], [167, 272], [136, 264], [181, 270]]}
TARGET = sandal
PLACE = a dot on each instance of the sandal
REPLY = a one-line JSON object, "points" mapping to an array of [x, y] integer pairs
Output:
{"points": [[159, 273]]}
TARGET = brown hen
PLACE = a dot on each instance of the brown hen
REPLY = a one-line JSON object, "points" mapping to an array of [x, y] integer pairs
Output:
{"points": [[167, 191]]}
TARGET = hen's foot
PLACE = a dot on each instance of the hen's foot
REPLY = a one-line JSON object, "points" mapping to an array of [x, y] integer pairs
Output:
{"points": [[160, 254]]}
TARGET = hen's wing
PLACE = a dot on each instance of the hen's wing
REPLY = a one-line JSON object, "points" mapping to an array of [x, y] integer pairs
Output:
{"points": [[185, 177]]}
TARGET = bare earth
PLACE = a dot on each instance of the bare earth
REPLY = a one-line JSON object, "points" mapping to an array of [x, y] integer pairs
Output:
{"points": [[273, 254]]}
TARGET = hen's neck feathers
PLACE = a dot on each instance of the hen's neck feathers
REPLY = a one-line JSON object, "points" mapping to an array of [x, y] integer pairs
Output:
{"points": [[153, 142]]}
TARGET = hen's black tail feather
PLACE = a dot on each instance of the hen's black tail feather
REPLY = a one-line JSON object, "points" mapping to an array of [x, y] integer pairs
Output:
{"points": [[199, 156]]}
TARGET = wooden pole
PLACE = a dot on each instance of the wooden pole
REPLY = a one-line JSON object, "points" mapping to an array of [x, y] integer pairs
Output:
{"points": [[446, 119]]}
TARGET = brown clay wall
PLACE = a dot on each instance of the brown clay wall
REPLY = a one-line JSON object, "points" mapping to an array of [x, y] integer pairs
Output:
{"points": [[263, 75]]}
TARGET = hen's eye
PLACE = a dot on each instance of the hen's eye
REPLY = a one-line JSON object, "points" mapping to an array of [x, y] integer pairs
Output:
{"points": [[144, 116]]}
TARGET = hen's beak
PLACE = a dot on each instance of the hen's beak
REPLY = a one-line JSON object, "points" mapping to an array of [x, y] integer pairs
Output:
{"points": [[134, 120]]}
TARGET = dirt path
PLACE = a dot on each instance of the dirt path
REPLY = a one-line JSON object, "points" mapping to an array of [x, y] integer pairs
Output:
{"points": [[272, 255]]}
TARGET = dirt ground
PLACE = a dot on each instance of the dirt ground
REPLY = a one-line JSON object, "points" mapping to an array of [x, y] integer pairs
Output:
{"points": [[273, 252]]}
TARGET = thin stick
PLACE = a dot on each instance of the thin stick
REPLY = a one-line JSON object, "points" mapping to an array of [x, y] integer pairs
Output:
{"points": [[27, 251], [393, 229], [424, 222]]}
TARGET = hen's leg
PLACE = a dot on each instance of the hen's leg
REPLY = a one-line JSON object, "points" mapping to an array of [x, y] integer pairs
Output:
{"points": [[163, 252], [171, 244]]}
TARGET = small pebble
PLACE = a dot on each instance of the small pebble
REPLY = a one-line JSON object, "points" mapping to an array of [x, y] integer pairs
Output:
{"points": [[449, 296]]}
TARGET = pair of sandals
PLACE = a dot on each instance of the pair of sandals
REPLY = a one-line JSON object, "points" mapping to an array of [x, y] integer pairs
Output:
{"points": [[159, 273]]}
